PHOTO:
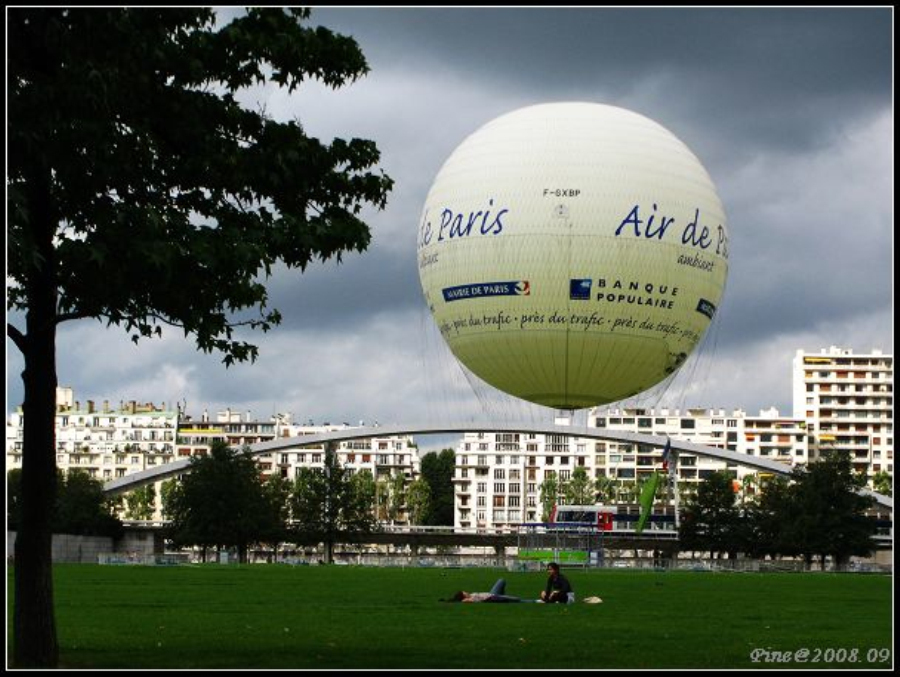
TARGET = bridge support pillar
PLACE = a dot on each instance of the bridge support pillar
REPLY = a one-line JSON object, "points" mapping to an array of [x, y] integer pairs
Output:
{"points": [[500, 552]]}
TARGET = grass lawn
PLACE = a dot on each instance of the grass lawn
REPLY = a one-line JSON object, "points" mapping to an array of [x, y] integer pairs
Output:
{"points": [[341, 617]]}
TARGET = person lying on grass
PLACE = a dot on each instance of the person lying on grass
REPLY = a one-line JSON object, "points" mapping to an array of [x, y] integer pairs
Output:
{"points": [[496, 595]]}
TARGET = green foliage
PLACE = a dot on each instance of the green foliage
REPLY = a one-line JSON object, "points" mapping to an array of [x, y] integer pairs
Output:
{"points": [[81, 507], [549, 496], [140, 503], [768, 532], [389, 497], [329, 503], [711, 519], [418, 500], [818, 512], [167, 491], [437, 469], [158, 181], [221, 501], [605, 489], [579, 489], [883, 483], [397, 486], [276, 491], [830, 511]]}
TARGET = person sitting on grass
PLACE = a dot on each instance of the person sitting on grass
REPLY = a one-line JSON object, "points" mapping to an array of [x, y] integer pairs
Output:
{"points": [[558, 586], [496, 595]]}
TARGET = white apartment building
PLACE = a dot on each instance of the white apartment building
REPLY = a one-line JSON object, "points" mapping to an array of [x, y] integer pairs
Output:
{"points": [[108, 444], [847, 402], [498, 476], [383, 457], [103, 442], [233, 428]]}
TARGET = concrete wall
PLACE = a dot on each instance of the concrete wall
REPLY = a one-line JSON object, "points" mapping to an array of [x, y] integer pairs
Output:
{"points": [[87, 549]]}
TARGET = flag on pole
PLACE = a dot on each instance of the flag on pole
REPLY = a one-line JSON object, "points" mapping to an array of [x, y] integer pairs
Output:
{"points": [[665, 455], [648, 493]]}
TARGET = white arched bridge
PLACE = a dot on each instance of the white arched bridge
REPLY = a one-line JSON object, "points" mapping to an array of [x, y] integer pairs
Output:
{"points": [[181, 466]]}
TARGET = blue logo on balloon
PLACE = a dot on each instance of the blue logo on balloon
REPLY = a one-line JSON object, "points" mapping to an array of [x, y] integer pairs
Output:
{"points": [[580, 290], [484, 289]]}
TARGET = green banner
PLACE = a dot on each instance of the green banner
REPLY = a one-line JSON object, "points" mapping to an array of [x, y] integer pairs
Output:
{"points": [[648, 493]]}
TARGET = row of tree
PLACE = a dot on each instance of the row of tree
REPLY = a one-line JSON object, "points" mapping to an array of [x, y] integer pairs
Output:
{"points": [[80, 506], [817, 512], [223, 501]]}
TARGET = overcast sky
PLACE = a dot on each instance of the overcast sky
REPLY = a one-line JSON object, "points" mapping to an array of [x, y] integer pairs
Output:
{"points": [[789, 110]]}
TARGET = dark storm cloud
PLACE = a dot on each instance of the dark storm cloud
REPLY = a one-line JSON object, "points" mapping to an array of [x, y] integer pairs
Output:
{"points": [[341, 296], [763, 76]]}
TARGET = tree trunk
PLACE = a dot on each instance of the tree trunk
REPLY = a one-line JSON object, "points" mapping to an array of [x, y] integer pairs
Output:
{"points": [[34, 624]]}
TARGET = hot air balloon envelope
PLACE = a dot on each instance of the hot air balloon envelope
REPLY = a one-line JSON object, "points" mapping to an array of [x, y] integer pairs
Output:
{"points": [[572, 254]]}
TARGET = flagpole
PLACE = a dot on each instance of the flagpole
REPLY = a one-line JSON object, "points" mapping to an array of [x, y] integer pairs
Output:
{"points": [[673, 478]]}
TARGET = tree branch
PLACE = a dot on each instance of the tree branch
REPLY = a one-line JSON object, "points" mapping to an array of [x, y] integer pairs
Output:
{"points": [[17, 337], [65, 317]]}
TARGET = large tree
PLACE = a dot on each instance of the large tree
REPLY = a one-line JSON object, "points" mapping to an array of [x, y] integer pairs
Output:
{"points": [[81, 506], [830, 513], [579, 490], [437, 469], [222, 502], [142, 194], [817, 512], [328, 505], [712, 520], [418, 500], [772, 523]]}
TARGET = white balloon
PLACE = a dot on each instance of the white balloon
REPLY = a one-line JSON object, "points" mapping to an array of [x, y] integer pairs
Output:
{"points": [[572, 254]]}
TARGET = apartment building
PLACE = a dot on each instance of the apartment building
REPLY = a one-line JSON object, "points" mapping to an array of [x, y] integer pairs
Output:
{"points": [[847, 402], [103, 442], [383, 457], [499, 475], [108, 444], [231, 427]]}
